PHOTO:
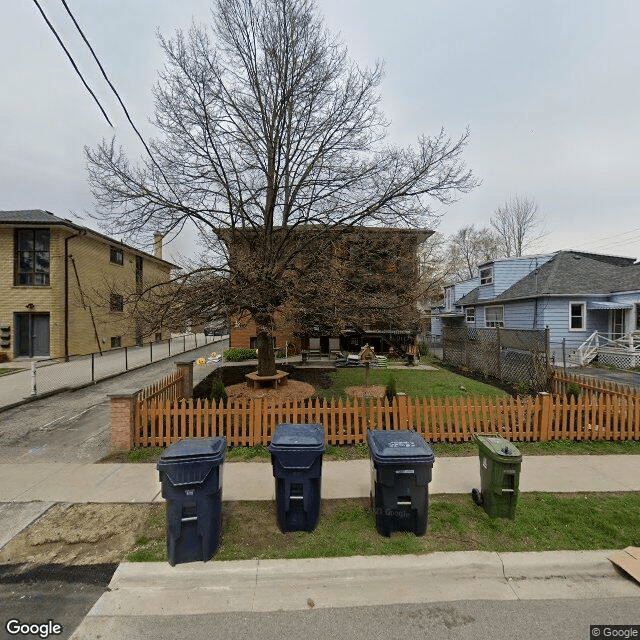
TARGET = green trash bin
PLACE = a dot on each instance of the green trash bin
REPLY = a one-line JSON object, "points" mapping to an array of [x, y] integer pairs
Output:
{"points": [[500, 463]]}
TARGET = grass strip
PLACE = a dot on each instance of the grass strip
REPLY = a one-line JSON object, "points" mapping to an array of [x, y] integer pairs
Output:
{"points": [[415, 383], [543, 522], [441, 449]]}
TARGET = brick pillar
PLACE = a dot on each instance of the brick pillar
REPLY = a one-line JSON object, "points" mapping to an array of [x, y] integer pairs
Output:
{"points": [[187, 382], [122, 419]]}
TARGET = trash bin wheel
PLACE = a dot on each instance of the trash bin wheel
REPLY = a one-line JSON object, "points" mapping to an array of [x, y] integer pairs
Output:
{"points": [[476, 496]]}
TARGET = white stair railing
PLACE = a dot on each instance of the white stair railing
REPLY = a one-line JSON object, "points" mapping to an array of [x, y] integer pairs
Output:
{"points": [[588, 350]]}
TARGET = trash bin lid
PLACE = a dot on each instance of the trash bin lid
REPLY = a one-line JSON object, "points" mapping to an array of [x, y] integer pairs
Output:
{"points": [[498, 448], [309, 437], [194, 449], [399, 447]]}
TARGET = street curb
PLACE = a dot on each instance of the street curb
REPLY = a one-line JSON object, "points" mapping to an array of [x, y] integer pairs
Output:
{"points": [[157, 589]]}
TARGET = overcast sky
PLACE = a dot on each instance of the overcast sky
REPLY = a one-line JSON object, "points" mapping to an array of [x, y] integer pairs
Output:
{"points": [[550, 91]]}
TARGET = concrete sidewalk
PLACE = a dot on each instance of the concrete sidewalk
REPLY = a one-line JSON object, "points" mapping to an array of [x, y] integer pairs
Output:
{"points": [[68, 482]]}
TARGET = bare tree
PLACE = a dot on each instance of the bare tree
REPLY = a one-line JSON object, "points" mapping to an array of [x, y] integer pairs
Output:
{"points": [[470, 247], [266, 127], [517, 222]]}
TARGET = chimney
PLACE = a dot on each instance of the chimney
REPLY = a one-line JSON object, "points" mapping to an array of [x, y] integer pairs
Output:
{"points": [[157, 244]]}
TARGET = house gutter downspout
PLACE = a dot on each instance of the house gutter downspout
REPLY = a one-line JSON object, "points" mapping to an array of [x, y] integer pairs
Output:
{"points": [[66, 293]]}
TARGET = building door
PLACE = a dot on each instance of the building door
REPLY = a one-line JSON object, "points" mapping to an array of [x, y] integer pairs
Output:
{"points": [[32, 334], [617, 323]]}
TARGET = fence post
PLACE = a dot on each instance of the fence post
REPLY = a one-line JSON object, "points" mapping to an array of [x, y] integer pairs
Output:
{"points": [[151, 350], [93, 367], [403, 411], [126, 358], [34, 390], [499, 348], [186, 367], [544, 423], [123, 409]]}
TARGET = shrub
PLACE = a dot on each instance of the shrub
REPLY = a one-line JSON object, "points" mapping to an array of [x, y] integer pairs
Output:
{"points": [[280, 353], [572, 390], [218, 392], [424, 348], [390, 390], [237, 355]]}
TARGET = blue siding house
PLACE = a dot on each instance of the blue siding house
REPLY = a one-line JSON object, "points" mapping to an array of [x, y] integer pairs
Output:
{"points": [[589, 302]]}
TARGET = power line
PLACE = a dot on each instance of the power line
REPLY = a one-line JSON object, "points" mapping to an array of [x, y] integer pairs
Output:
{"points": [[95, 57], [93, 95]]}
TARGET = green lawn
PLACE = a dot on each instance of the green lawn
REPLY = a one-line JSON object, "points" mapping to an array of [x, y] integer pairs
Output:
{"points": [[543, 522], [416, 383]]}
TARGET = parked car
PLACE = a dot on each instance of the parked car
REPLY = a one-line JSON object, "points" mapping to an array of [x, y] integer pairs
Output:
{"points": [[216, 330]]}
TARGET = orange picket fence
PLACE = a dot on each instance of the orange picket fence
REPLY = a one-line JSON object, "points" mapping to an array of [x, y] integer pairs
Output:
{"points": [[159, 421]]}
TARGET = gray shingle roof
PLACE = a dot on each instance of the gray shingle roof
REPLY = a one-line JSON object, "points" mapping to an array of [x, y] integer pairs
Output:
{"points": [[33, 216], [571, 273]]}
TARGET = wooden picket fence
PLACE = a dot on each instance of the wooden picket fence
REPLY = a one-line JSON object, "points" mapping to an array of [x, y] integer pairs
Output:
{"points": [[606, 416], [590, 385], [167, 389]]}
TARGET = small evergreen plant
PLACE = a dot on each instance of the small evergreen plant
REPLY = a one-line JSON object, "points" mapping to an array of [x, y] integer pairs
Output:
{"points": [[390, 390], [218, 392]]}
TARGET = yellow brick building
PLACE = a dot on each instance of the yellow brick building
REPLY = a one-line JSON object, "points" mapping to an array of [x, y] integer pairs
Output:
{"points": [[63, 287]]}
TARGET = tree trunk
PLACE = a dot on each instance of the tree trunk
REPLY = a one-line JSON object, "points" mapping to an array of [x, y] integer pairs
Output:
{"points": [[266, 354]]}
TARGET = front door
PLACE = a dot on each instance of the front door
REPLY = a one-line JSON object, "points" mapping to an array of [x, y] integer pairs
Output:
{"points": [[617, 323], [32, 334]]}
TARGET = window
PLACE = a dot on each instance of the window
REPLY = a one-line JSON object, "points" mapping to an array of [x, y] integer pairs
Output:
{"points": [[486, 275], [138, 269], [31, 257], [494, 316], [577, 316], [158, 336], [116, 302], [470, 315], [116, 341], [117, 257]]}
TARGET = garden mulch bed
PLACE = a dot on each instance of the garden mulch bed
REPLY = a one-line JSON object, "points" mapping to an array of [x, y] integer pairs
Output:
{"points": [[292, 390], [372, 391]]}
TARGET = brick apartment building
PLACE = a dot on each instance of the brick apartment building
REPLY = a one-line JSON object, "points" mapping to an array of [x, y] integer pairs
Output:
{"points": [[63, 286], [404, 258]]}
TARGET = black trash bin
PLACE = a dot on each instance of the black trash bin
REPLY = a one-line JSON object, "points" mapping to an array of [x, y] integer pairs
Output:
{"points": [[191, 477], [401, 466], [296, 458]]}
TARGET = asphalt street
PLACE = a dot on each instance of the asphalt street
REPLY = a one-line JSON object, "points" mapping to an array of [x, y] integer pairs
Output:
{"points": [[73, 426], [459, 620]]}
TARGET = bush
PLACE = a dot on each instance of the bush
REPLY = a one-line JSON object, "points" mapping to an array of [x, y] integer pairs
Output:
{"points": [[424, 348], [218, 392], [390, 390], [572, 390], [237, 355], [280, 353]]}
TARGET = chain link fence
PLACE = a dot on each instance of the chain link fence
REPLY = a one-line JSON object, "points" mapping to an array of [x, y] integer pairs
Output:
{"points": [[515, 356], [37, 377]]}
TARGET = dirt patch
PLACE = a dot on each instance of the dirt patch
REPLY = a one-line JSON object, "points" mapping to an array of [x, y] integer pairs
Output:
{"points": [[292, 390], [372, 391], [80, 534]]}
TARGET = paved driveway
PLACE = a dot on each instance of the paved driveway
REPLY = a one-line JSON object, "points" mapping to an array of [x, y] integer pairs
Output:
{"points": [[73, 426], [631, 378]]}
